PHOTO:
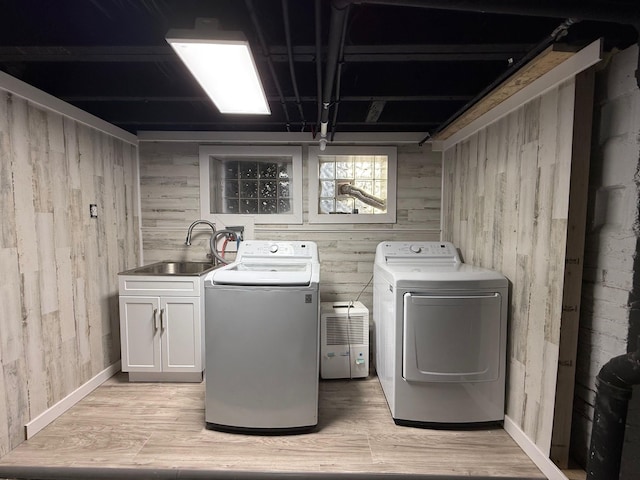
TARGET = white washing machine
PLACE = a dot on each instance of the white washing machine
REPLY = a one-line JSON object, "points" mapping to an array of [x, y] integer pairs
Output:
{"points": [[441, 331], [262, 339]]}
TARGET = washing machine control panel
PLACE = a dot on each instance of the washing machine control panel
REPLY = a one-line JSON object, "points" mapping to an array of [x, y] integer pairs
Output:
{"points": [[420, 250], [264, 248]]}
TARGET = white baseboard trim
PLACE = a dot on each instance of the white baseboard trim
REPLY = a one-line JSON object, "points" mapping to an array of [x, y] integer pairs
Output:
{"points": [[53, 412], [542, 461]]}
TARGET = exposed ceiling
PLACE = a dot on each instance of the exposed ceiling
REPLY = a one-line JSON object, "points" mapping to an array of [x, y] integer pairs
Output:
{"points": [[400, 67]]}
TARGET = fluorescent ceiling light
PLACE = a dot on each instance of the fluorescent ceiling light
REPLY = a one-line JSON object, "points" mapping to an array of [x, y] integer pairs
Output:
{"points": [[222, 64]]}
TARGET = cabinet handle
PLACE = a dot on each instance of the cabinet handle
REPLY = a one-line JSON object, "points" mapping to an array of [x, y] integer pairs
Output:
{"points": [[163, 320], [155, 318]]}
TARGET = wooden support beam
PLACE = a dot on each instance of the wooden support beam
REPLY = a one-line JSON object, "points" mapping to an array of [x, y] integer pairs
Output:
{"points": [[574, 260], [543, 63]]}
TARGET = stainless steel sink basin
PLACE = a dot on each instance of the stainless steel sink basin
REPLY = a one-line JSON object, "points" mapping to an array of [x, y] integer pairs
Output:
{"points": [[171, 268]]}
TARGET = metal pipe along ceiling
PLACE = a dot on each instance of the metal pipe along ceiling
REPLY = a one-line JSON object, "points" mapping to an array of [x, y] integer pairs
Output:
{"points": [[318, 29], [292, 72], [265, 51], [336, 105], [336, 26], [584, 10]]}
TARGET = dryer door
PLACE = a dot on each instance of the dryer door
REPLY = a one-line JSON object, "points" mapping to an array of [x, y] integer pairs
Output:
{"points": [[451, 338]]}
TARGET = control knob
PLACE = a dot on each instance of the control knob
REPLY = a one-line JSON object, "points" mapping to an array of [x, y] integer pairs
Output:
{"points": [[415, 248], [273, 248]]}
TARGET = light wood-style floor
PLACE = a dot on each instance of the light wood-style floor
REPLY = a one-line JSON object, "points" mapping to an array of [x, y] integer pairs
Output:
{"points": [[158, 430]]}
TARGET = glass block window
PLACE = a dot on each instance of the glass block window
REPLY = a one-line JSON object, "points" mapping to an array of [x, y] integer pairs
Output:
{"points": [[253, 186], [368, 173], [352, 185], [264, 182]]}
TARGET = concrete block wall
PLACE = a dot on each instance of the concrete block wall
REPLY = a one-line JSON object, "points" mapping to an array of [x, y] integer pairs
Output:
{"points": [[608, 289]]}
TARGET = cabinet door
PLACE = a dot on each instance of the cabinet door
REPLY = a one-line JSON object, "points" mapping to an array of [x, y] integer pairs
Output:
{"points": [[140, 334], [181, 334]]}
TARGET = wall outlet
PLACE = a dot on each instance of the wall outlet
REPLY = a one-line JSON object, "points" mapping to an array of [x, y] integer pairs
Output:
{"points": [[93, 210]]}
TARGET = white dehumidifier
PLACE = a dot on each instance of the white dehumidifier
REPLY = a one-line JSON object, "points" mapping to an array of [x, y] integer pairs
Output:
{"points": [[344, 340]]}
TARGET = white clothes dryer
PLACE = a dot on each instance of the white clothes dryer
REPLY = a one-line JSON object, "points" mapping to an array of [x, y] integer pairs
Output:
{"points": [[441, 332], [262, 339]]}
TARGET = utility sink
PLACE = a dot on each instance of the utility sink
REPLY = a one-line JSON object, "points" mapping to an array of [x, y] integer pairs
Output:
{"points": [[172, 268]]}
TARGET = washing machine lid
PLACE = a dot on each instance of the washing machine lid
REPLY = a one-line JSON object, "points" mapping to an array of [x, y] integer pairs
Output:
{"points": [[264, 273], [266, 262]]}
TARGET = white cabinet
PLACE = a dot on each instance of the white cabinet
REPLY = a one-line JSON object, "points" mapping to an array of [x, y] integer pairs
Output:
{"points": [[161, 328]]}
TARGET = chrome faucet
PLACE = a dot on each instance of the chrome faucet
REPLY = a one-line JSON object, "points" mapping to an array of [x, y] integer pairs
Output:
{"points": [[213, 232], [190, 231]]}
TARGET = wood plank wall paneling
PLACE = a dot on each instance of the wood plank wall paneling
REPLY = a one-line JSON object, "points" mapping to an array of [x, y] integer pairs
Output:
{"points": [[572, 285], [506, 191], [169, 177], [58, 289]]}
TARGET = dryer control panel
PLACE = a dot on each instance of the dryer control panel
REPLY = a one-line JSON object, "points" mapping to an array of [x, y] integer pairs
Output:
{"points": [[440, 252]]}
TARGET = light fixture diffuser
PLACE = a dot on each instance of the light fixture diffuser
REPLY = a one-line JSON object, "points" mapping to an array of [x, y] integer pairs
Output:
{"points": [[222, 64]]}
